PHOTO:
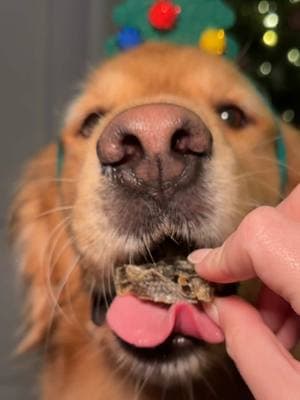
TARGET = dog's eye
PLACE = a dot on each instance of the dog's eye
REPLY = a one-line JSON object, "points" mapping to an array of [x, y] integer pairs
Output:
{"points": [[233, 116], [89, 122]]}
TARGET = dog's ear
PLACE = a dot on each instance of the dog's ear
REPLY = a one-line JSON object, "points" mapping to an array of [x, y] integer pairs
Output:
{"points": [[291, 138], [38, 229]]}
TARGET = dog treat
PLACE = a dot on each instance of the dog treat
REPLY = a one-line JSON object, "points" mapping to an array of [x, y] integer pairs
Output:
{"points": [[163, 282]]}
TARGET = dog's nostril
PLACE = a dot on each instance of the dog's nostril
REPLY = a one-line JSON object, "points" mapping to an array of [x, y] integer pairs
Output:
{"points": [[185, 141], [180, 141], [115, 148], [132, 147]]}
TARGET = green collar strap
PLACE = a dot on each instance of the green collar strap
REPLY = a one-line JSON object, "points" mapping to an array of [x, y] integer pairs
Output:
{"points": [[60, 157], [281, 160]]}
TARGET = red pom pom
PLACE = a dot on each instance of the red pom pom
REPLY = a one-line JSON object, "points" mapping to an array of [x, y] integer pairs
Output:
{"points": [[163, 14]]}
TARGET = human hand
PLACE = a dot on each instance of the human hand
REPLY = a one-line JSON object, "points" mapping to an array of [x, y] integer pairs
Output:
{"points": [[265, 245]]}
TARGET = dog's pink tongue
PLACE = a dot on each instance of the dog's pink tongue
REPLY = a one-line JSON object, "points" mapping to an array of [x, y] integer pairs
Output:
{"points": [[147, 324]]}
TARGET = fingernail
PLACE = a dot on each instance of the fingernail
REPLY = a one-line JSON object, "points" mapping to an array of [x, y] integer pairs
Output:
{"points": [[212, 311], [198, 255]]}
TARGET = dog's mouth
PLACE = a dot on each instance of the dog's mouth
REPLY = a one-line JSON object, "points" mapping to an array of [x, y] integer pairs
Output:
{"points": [[154, 331], [167, 249]]}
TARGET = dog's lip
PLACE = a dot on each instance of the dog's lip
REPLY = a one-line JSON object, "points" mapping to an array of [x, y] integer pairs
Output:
{"points": [[175, 346], [99, 305]]}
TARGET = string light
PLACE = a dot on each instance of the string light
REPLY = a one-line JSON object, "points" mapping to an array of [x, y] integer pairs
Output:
{"points": [[271, 20], [263, 6], [270, 38], [265, 68]]}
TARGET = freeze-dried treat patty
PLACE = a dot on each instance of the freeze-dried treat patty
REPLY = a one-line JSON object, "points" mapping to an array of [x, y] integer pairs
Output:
{"points": [[163, 282]]}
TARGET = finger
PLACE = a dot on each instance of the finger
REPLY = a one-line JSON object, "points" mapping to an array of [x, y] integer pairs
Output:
{"points": [[289, 333], [290, 206], [264, 363], [273, 309], [279, 317], [266, 245]]}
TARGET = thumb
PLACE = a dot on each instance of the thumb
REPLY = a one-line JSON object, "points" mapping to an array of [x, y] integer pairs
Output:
{"points": [[267, 367]]}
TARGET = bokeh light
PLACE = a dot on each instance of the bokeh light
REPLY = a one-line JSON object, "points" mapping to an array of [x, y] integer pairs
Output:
{"points": [[293, 56], [288, 115], [271, 20], [263, 6], [265, 68], [270, 38]]}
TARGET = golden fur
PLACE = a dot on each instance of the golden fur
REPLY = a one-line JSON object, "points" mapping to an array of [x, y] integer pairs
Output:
{"points": [[66, 242]]}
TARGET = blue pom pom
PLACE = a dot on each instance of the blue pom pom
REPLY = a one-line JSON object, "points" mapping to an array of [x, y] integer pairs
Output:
{"points": [[129, 37]]}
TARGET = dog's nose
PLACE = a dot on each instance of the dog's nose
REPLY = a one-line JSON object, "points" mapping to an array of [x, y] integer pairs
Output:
{"points": [[153, 143]]}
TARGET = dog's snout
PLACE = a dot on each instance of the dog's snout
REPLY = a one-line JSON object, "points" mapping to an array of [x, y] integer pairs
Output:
{"points": [[155, 142]]}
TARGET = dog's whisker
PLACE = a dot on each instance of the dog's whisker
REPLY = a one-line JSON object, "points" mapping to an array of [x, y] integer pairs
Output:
{"points": [[164, 390], [103, 289], [50, 264], [210, 388], [53, 261], [110, 276], [171, 236], [92, 287], [137, 388], [51, 179], [149, 252], [127, 372], [224, 367], [189, 388], [56, 307], [53, 240], [62, 286], [142, 383], [53, 210]]}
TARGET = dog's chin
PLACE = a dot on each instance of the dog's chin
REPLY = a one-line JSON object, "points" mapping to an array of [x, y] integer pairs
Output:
{"points": [[176, 361]]}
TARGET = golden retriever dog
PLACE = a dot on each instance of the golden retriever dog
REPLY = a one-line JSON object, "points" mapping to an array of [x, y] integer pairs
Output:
{"points": [[165, 150]]}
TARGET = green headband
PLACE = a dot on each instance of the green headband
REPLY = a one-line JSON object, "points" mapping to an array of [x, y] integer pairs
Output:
{"points": [[202, 23], [281, 160]]}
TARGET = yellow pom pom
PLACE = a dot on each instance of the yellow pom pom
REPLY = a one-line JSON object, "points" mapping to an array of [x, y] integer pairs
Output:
{"points": [[213, 41]]}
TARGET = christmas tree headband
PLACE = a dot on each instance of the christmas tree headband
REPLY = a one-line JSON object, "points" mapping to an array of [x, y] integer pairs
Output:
{"points": [[200, 23]]}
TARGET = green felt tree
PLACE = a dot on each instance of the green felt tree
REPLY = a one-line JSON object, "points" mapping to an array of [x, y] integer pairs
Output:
{"points": [[195, 17]]}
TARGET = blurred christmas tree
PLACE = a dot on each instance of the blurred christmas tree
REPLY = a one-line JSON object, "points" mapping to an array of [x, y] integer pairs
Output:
{"points": [[269, 31]]}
